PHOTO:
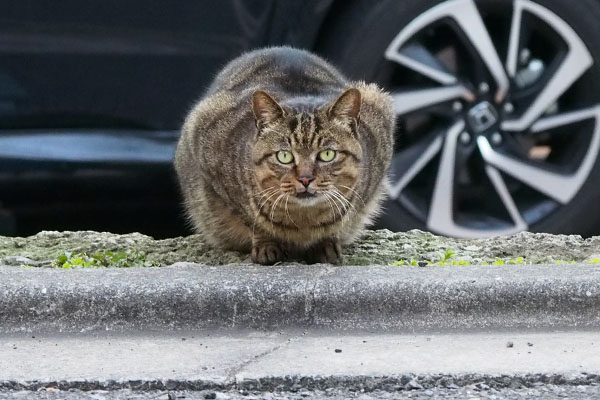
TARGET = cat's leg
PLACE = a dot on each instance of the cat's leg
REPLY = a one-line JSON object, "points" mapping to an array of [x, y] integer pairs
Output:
{"points": [[326, 251], [265, 250]]}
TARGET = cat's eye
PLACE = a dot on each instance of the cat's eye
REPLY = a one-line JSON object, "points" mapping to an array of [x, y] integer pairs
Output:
{"points": [[327, 155], [285, 157]]}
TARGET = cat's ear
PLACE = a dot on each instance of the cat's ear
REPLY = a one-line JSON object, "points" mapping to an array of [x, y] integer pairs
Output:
{"points": [[346, 107], [265, 108]]}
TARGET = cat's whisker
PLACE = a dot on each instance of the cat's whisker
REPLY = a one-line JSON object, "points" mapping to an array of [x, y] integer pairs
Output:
{"points": [[330, 205], [260, 208], [335, 203], [287, 212], [263, 195], [343, 199], [274, 207], [261, 205], [355, 192], [266, 196], [265, 190], [347, 201]]}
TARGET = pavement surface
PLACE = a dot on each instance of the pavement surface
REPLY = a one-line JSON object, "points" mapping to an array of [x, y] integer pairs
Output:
{"points": [[294, 361]]}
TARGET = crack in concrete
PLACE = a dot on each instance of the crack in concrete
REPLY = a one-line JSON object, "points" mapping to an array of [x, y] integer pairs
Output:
{"points": [[310, 300], [231, 377]]}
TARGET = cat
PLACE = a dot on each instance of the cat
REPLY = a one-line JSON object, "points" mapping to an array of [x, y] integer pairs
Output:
{"points": [[284, 157]]}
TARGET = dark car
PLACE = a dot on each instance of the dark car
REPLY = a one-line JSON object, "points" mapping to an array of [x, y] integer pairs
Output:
{"points": [[498, 105]]}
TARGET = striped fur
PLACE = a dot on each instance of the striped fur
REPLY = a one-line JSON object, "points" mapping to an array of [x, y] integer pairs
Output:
{"points": [[240, 197]]}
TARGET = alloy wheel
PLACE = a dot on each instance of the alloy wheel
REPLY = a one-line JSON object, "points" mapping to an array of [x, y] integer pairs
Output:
{"points": [[496, 129]]}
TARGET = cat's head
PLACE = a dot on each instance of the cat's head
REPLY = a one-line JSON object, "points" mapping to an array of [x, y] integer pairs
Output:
{"points": [[310, 156]]}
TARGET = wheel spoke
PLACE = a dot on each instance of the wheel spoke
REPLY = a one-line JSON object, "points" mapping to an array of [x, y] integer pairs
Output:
{"points": [[515, 35], [405, 102], [473, 26], [441, 210], [465, 13], [505, 197], [420, 60], [559, 187], [440, 218], [417, 166], [576, 62], [555, 121]]}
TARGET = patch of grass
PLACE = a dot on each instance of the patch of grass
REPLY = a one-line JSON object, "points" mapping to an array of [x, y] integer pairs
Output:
{"points": [[103, 259], [448, 254], [403, 262]]}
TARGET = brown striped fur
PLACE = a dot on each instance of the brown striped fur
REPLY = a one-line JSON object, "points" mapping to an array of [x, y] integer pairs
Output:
{"points": [[239, 196]]}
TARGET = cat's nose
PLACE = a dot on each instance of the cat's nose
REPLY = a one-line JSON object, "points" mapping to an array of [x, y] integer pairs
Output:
{"points": [[306, 180]]}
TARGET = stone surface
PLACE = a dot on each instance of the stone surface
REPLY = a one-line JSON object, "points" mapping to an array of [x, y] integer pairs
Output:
{"points": [[296, 360], [373, 248], [384, 298]]}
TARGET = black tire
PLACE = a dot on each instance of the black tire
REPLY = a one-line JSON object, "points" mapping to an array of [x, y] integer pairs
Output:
{"points": [[356, 37]]}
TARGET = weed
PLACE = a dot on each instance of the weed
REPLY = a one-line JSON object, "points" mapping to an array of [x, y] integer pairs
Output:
{"points": [[119, 259]]}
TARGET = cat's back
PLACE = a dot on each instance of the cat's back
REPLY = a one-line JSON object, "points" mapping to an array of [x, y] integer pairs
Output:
{"points": [[285, 70]]}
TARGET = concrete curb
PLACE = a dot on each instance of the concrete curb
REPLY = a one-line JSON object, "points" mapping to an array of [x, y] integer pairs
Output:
{"points": [[399, 299]]}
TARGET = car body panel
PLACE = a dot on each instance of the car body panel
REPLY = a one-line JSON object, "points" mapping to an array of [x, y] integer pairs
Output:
{"points": [[93, 93]]}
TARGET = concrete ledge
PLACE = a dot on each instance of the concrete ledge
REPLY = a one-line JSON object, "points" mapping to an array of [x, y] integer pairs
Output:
{"points": [[402, 299], [372, 248]]}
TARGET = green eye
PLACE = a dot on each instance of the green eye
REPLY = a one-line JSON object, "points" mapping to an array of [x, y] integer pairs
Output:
{"points": [[327, 155], [285, 157]]}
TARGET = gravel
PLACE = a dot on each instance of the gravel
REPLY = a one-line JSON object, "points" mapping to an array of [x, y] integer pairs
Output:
{"points": [[472, 392]]}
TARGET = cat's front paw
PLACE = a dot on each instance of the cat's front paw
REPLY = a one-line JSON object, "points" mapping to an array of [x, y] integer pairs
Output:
{"points": [[329, 251], [266, 253]]}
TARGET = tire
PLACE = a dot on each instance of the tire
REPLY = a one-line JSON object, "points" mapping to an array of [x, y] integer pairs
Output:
{"points": [[355, 39]]}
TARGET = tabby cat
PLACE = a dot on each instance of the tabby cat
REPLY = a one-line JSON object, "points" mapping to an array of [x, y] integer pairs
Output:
{"points": [[284, 157]]}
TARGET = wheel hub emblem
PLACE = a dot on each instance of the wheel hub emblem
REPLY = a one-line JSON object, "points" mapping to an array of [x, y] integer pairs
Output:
{"points": [[482, 116]]}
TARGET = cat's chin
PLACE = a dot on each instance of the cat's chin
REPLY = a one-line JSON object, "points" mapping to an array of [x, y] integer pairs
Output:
{"points": [[306, 199]]}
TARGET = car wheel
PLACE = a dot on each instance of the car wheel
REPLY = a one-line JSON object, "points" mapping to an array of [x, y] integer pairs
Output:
{"points": [[498, 106]]}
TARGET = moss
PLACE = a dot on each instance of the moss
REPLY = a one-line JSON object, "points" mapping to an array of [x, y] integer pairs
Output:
{"points": [[371, 248], [411, 262], [117, 259], [448, 258]]}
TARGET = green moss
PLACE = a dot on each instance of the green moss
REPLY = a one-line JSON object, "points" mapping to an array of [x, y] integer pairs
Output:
{"points": [[447, 258], [412, 262], [357, 260], [372, 248], [560, 262], [100, 259]]}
